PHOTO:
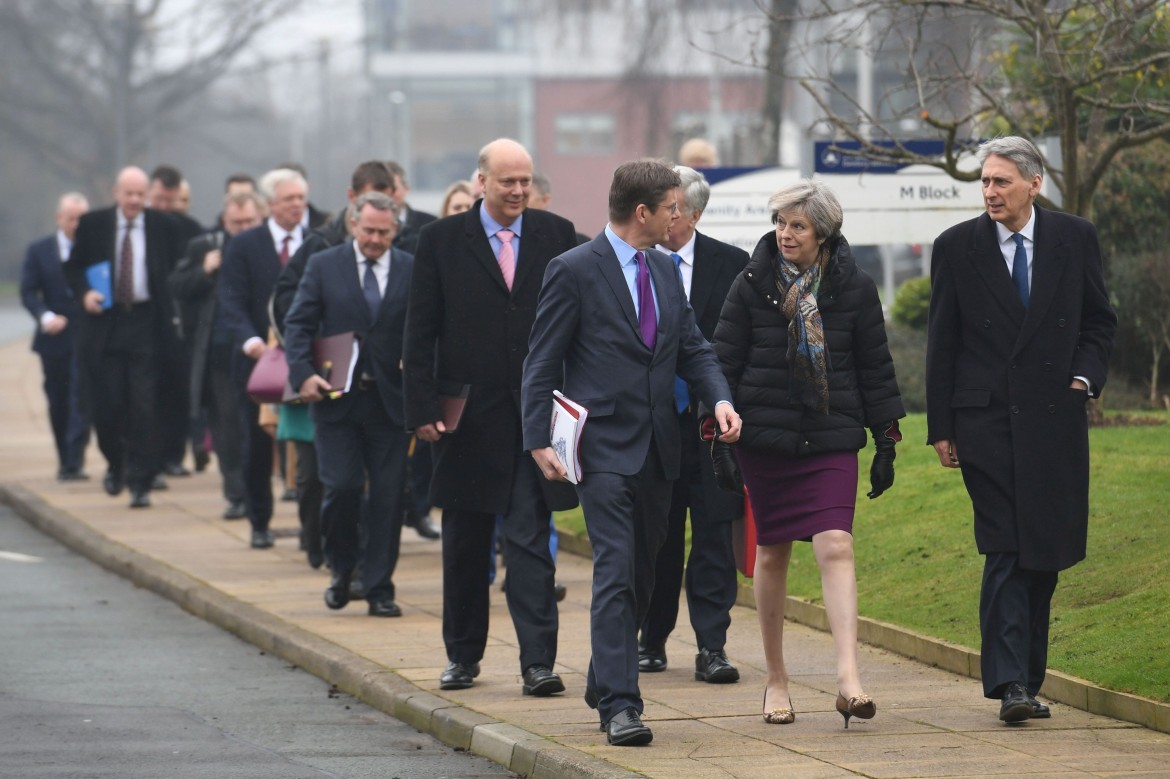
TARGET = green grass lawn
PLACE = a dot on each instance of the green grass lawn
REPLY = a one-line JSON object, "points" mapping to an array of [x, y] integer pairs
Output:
{"points": [[917, 565]]}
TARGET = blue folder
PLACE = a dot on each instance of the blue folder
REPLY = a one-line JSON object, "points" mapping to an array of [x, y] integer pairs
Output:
{"points": [[98, 278]]}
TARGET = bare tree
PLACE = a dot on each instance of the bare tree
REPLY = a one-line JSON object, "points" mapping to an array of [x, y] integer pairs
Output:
{"points": [[86, 85], [1089, 73]]}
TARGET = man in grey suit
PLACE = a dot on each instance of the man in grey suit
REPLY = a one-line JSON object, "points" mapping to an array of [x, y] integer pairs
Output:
{"points": [[613, 323], [1019, 338], [359, 286]]}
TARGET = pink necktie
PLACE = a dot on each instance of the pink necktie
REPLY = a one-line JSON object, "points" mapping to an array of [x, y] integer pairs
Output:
{"points": [[124, 287], [507, 258]]}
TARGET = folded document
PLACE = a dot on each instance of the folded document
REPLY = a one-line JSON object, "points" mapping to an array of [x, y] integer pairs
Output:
{"points": [[568, 420]]}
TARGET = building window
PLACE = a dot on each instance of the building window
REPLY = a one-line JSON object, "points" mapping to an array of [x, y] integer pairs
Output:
{"points": [[585, 133]]}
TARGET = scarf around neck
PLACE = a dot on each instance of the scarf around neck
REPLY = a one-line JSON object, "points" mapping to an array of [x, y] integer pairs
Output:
{"points": [[807, 356]]}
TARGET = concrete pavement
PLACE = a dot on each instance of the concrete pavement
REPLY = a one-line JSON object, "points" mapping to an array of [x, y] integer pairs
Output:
{"points": [[930, 722]]}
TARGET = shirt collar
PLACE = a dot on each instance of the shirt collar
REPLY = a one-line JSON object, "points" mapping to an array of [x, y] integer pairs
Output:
{"points": [[491, 226], [625, 253], [686, 251], [1027, 231], [122, 220], [64, 245], [278, 232]]}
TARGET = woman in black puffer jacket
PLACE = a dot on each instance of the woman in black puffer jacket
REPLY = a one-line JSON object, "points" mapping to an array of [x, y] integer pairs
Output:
{"points": [[802, 341]]}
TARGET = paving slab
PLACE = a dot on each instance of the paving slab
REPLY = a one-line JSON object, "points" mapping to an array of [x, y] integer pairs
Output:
{"points": [[930, 722]]}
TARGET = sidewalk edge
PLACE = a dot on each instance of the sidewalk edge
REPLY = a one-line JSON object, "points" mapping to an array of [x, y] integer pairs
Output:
{"points": [[1058, 686], [518, 750]]}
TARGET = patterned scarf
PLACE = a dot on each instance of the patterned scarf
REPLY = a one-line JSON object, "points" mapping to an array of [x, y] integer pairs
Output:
{"points": [[807, 357]]}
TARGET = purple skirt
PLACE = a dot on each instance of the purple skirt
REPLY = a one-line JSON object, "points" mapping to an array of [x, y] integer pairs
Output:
{"points": [[794, 498]]}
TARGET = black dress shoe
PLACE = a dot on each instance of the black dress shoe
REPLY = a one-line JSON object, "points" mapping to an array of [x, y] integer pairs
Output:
{"points": [[712, 667], [560, 591], [158, 483], [175, 469], [1039, 710], [384, 608], [426, 528], [1016, 705], [262, 539], [625, 729], [112, 483], [458, 676], [289, 494], [541, 681], [139, 499], [71, 474], [651, 661], [201, 461], [235, 510], [337, 595]]}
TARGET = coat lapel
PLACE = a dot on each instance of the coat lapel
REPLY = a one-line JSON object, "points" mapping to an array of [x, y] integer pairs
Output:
{"points": [[703, 274], [1050, 257], [611, 271], [346, 272], [987, 260], [665, 275], [397, 285], [481, 248], [530, 242]]}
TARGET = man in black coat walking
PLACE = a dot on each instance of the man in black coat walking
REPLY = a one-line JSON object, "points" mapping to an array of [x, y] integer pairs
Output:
{"points": [[477, 276], [1020, 333]]}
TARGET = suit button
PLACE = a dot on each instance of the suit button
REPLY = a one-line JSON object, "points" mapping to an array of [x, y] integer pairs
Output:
{"points": [[1060, 323], [1015, 409], [1052, 409], [987, 323], [1047, 366], [1015, 365], [749, 275]]}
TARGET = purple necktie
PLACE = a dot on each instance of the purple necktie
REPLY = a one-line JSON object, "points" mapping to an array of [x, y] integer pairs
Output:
{"points": [[647, 321]]}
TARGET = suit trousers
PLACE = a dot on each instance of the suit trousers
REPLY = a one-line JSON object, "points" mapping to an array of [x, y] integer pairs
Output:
{"points": [[70, 424], [1014, 608], [364, 448], [310, 493], [123, 384], [626, 520], [531, 596], [257, 460], [711, 581], [174, 402], [222, 399]]}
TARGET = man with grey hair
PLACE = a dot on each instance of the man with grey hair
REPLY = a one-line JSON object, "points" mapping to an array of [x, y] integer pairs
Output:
{"points": [[251, 265], [359, 286], [45, 293], [1019, 337], [707, 268]]}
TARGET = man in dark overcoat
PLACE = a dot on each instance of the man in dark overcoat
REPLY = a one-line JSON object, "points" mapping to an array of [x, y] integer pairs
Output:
{"points": [[473, 295], [1020, 333]]}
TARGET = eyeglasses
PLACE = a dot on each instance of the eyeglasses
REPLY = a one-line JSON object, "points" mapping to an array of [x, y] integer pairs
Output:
{"points": [[673, 207]]}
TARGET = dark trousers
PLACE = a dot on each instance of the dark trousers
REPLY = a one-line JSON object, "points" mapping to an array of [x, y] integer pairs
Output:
{"points": [[711, 582], [70, 424], [1014, 607], [310, 493], [123, 382], [257, 462], [467, 550], [173, 415], [626, 520], [421, 466], [363, 445], [222, 400]]}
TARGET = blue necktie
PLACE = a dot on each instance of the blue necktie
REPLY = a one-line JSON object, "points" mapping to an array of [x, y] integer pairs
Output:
{"points": [[682, 396], [370, 290], [1020, 268]]}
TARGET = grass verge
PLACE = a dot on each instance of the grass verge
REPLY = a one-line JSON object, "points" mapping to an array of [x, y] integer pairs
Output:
{"points": [[917, 566]]}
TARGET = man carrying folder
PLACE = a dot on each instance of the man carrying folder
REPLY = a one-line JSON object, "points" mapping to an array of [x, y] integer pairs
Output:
{"points": [[613, 323], [358, 286]]}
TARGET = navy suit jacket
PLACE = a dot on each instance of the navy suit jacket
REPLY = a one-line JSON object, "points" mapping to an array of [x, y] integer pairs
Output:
{"points": [[247, 277], [329, 301], [586, 332], [43, 288]]}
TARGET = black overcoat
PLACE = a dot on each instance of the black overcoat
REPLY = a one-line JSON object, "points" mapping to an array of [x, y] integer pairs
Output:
{"points": [[463, 326], [998, 375]]}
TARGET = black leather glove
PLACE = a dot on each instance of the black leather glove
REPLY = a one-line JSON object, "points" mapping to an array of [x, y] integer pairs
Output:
{"points": [[727, 474], [881, 472]]}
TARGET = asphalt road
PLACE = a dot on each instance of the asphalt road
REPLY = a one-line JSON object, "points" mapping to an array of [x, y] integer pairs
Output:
{"points": [[101, 679]]}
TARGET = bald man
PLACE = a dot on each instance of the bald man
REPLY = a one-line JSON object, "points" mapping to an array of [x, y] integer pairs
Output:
{"points": [[45, 294], [477, 275], [125, 327]]}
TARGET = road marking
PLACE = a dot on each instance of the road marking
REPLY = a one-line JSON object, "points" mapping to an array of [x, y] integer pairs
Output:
{"points": [[17, 557]]}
